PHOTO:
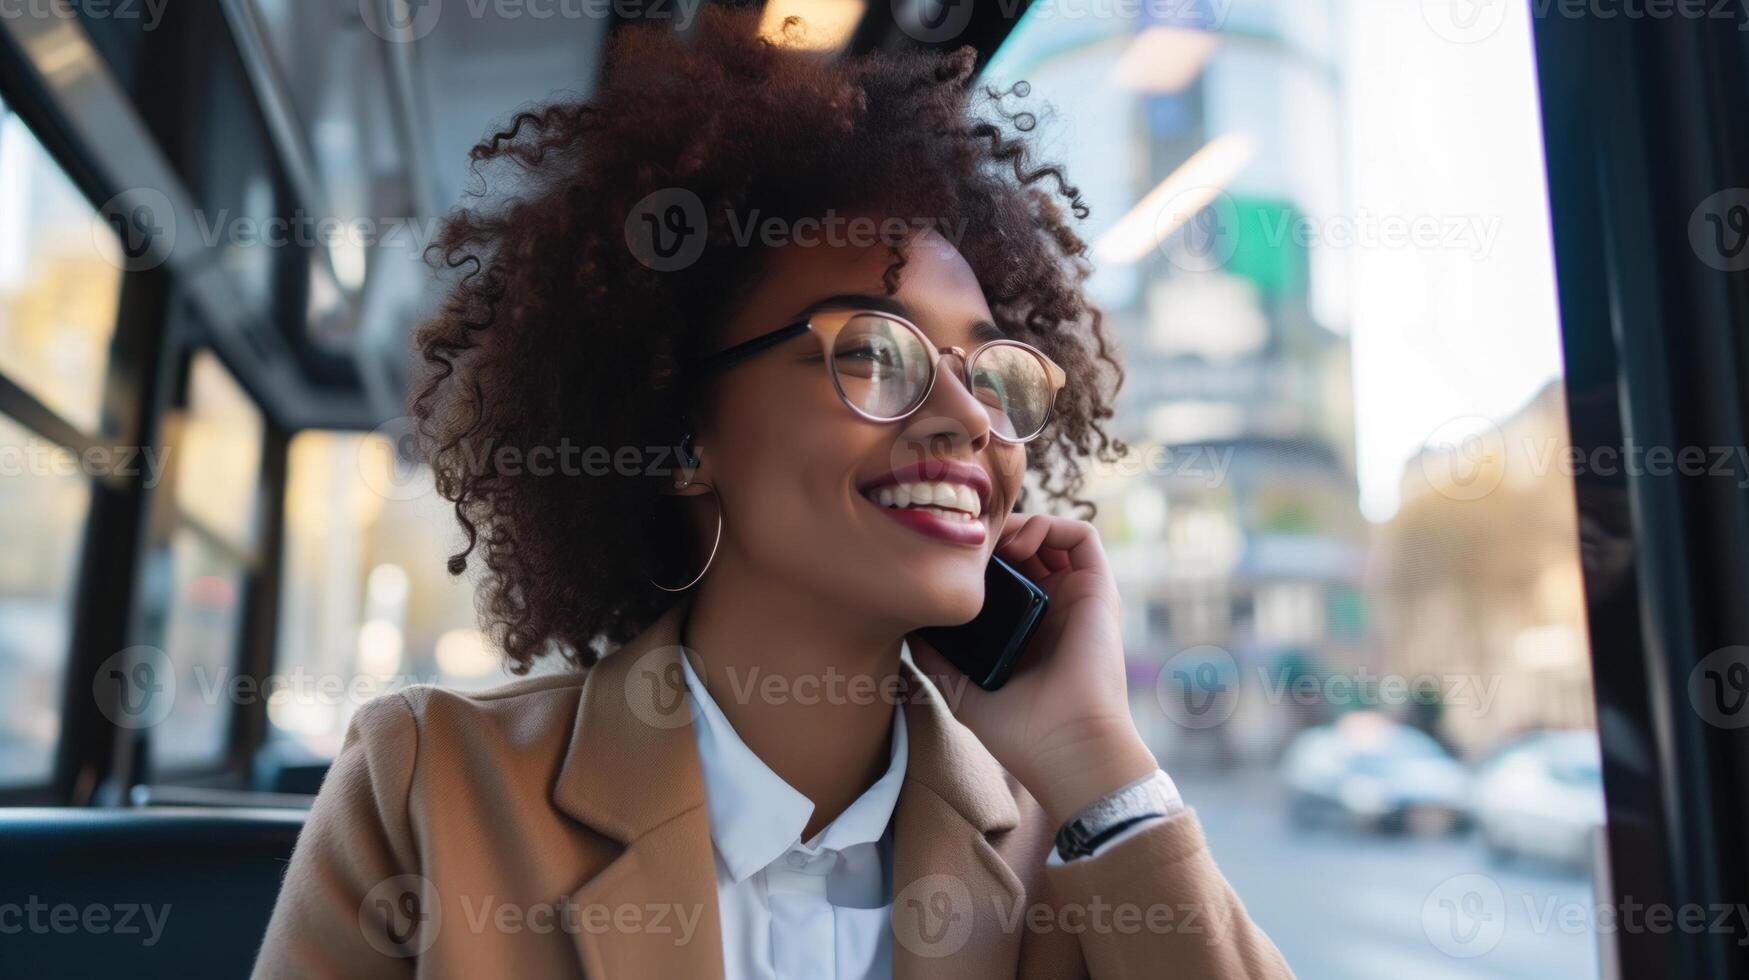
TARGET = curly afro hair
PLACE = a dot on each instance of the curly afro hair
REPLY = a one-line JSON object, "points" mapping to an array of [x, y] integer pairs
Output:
{"points": [[554, 333]]}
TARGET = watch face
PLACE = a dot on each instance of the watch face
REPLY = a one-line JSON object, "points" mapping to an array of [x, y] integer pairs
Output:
{"points": [[1071, 839]]}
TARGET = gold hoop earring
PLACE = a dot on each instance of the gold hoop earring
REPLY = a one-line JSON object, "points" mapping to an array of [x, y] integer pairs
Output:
{"points": [[714, 544]]}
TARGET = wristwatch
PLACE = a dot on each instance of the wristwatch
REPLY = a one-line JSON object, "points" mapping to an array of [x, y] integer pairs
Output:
{"points": [[1154, 795]]}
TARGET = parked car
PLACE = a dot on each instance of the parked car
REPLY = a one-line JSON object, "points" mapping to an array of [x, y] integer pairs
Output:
{"points": [[1542, 797], [1371, 772]]}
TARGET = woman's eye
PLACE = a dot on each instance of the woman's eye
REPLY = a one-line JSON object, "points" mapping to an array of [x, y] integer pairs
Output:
{"points": [[991, 389], [869, 352]]}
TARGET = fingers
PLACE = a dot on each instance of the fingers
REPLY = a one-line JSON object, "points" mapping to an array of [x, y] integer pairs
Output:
{"points": [[1021, 544], [1078, 540], [1044, 544], [1015, 523], [1026, 561]]}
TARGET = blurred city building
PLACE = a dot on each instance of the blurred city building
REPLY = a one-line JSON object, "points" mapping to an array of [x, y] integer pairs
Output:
{"points": [[1477, 579], [1235, 524]]}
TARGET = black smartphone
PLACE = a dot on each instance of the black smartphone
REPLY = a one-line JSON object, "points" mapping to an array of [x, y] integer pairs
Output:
{"points": [[987, 648]]}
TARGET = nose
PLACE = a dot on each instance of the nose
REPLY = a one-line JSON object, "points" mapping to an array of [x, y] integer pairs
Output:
{"points": [[951, 411]]}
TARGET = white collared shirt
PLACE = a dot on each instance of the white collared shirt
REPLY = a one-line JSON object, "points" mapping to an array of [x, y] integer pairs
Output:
{"points": [[791, 910]]}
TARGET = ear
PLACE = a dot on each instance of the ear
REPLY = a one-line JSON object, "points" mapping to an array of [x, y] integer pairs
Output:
{"points": [[689, 471]]}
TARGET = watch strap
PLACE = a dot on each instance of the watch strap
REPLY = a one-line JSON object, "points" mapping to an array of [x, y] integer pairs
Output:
{"points": [[1153, 795]]}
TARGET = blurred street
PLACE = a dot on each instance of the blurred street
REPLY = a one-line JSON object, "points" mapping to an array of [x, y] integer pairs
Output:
{"points": [[1347, 906]]}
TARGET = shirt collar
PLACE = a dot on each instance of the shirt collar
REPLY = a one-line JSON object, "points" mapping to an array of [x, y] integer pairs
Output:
{"points": [[755, 816]]}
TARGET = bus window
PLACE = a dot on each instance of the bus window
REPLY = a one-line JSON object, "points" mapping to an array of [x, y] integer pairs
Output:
{"points": [[202, 558], [366, 604], [1348, 553], [218, 469], [60, 281], [42, 521]]}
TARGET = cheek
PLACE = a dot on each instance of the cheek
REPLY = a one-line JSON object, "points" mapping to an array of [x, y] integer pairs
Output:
{"points": [[1010, 473], [789, 457]]}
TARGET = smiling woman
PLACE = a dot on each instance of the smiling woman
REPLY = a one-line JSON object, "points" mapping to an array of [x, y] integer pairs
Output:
{"points": [[777, 756], [565, 302]]}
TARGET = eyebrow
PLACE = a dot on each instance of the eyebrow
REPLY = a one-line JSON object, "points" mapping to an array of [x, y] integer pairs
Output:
{"points": [[981, 331]]}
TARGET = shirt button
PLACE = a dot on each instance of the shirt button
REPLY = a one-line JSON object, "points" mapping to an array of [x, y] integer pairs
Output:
{"points": [[798, 860]]}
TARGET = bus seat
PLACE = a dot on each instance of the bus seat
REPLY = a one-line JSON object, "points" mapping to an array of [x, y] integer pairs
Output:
{"points": [[152, 892]]}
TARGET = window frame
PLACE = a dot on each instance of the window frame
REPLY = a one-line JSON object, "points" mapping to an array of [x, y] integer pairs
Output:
{"points": [[163, 312], [1635, 125], [82, 744], [230, 765]]}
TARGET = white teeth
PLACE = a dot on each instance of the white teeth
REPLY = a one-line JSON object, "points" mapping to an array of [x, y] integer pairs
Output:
{"points": [[953, 500], [968, 499]]}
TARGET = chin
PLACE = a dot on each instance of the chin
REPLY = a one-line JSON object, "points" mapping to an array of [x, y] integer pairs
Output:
{"points": [[951, 601]]}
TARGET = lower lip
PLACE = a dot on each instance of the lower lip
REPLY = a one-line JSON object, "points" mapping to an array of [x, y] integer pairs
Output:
{"points": [[936, 526]]}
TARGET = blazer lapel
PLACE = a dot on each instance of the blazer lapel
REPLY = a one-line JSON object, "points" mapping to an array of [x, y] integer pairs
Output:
{"points": [[632, 774], [956, 903]]}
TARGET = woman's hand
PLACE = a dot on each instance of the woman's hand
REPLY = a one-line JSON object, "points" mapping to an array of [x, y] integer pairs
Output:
{"points": [[1062, 723]]}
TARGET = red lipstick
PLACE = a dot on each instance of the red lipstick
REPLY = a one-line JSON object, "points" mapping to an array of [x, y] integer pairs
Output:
{"points": [[929, 522]]}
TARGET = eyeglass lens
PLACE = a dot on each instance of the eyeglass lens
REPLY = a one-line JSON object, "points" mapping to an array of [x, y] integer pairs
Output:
{"points": [[882, 369]]}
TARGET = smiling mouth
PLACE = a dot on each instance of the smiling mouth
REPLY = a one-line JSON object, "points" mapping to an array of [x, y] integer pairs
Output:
{"points": [[950, 501]]}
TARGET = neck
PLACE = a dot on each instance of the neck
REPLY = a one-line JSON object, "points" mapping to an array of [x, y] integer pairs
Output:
{"points": [[805, 686]]}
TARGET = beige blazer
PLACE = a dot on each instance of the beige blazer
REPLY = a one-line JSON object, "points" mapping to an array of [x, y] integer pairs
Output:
{"points": [[556, 827]]}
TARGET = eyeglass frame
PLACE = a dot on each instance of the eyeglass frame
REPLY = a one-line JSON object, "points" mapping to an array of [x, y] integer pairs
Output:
{"points": [[834, 323]]}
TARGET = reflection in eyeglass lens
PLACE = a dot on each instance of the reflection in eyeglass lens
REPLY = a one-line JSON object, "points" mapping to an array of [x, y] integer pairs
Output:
{"points": [[882, 367]]}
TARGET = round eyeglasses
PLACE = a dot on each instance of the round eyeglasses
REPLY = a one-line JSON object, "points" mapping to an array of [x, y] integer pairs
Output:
{"points": [[884, 367]]}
